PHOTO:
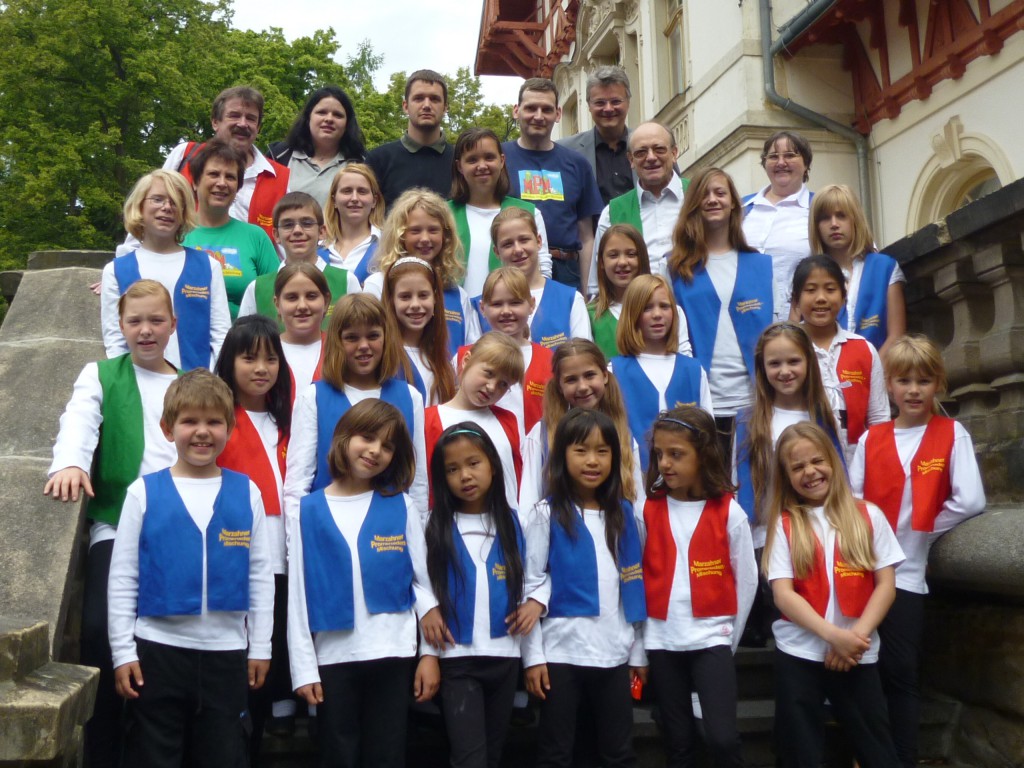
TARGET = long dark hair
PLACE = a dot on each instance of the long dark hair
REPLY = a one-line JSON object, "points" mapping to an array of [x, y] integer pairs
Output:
{"points": [[575, 428], [352, 145], [440, 542], [249, 335]]}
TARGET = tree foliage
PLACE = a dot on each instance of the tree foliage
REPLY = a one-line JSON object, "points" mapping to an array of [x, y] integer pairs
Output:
{"points": [[94, 93]]}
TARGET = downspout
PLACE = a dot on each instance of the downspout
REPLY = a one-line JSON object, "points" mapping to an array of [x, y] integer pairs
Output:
{"points": [[787, 34]]}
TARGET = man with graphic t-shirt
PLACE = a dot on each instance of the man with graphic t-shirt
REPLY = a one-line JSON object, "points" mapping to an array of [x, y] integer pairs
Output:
{"points": [[559, 181]]}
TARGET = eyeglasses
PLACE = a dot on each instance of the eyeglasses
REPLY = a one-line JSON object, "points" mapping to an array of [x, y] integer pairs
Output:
{"points": [[160, 201], [305, 225], [604, 103], [774, 157], [641, 153]]}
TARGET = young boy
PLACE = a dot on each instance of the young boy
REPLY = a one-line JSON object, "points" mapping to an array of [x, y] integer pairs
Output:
{"points": [[190, 590], [113, 416], [298, 229]]}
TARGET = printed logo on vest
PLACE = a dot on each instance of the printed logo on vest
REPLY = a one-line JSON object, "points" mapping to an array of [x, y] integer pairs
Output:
{"points": [[534, 388], [843, 570], [870, 322], [702, 568], [499, 572], [631, 573], [453, 316], [750, 305], [927, 466], [541, 185], [553, 341], [855, 377], [679, 404], [234, 538], [264, 221], [388, 543], [195, 292]]}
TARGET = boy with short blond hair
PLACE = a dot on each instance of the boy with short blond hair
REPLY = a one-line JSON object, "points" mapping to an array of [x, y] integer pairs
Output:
{"points": [[190, 591]]}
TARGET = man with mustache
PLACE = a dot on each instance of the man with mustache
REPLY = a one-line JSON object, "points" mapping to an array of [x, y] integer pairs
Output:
{"points": [[422, 157]]}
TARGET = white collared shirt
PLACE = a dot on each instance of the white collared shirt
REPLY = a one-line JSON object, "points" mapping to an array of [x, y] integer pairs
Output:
{"points": [[780, 229]]}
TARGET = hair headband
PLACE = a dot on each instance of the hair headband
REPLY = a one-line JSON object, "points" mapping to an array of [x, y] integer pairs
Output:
{"points": [[464, 432], [688, 425], [412, 260]]}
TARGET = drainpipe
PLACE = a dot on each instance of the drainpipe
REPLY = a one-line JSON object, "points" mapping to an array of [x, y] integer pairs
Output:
{"points": [[787, 34]]}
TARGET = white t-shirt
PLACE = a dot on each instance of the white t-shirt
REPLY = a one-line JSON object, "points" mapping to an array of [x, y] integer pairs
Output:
{"points": [[479, 256], [302, 359], [354, 258], [780, 229], [730, 383]]}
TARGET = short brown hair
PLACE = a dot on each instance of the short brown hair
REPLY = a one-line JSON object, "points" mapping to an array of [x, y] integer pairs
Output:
{"points": [[542, 84], [355, 309], [140, 289], [512, 213], [293, 201], [373, 416], [468, 140], [247, 94], [201, 390], [500, 351], [426, 76], [799, 144], [222, 150]]}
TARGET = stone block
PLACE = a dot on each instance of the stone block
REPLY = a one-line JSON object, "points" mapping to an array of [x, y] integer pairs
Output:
{"points": [[24, 647], [987, 738], [62, 259], [9, 282], [38, 546], [984, 555], [54, 304], [41, 715]]}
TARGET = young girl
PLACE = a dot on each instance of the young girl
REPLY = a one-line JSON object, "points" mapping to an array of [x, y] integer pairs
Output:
{"points": [[831, 561], [301, 297], [250, 363], [109, 436], [420, 224], [579, 379], [787, 390], [921, 470], [850, 369], [621, 257], [412, 294], [351, 619], [583, 562], [559, 310], [653, 375], [354, 215], [361, 361], [480, 187], [697, 603], [874, 305], [159, 211], [488, 370], [475, 552], [726, 289], [505, 305]]}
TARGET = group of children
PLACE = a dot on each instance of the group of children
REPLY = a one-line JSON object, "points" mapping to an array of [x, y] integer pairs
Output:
{"points": [[390, 487]]}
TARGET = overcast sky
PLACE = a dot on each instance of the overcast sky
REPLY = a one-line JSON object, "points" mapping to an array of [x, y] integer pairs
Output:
{"points": [[411, 34]]}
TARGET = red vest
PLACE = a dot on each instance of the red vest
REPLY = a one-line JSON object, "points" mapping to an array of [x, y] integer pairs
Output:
{"points": [[432, 429], [930, 486], [536, 376], [854, 368], [712, 582], [853, 586], [245, 453], [269, 189]]}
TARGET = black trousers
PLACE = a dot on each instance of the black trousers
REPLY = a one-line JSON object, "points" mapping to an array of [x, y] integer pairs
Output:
{"points": [[607, 691], [362, 721], [567, 271], [278, 685], [476, 700], [801, 688], [191, 711], [711, 673], [899, 663], [103, 730]]}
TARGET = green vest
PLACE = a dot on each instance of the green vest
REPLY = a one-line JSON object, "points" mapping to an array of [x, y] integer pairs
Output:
{"points": [[337, 282], [604, 331], [462, 228], [625, 209], [119, 452]]}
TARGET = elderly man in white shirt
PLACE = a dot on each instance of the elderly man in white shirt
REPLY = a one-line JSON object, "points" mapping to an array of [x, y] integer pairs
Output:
{"points": [[654, 204]]}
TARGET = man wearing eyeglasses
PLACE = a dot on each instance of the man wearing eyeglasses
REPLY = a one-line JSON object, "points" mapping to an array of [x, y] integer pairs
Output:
{"points": [[653, 205], [605, 145]]}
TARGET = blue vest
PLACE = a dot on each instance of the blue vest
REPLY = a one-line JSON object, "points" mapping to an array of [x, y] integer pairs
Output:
{"points": [[331, 405], [462, 586], [171, 550], [550, 325], [871, 315], [751, 309], [384, 562], [572, 564], [362, 270], [456, 320], [642, 399], [192, 303], [744, 479], [417, 378]]}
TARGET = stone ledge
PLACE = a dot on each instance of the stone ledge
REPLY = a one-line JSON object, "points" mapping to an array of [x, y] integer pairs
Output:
{"points": [[40, 714], [62, 259], [24, 648], [983, 555]]}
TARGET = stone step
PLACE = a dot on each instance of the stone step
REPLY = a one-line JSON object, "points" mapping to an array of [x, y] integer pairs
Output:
{"points": [[24, 648]]}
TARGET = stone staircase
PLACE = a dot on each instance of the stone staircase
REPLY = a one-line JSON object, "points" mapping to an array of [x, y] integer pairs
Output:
{"points": [[44, 704]]}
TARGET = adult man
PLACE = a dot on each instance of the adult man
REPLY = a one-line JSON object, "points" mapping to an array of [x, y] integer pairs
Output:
{"points": [[422, 157], [654, 204], [605, 144], [555, 179]]}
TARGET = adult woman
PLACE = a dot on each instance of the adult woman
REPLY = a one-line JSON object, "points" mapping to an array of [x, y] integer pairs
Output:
{"points": [[324, 137], [775, 218], [244, 250]]}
